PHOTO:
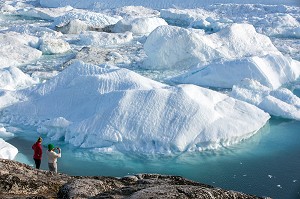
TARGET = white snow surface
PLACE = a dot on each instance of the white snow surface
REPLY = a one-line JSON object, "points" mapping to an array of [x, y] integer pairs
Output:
{"points": [[12, 78], [272, 70], [280, 102], [92, 38], [174, 47], [138, 26], [93, 19], [7, 151], [53, 46], [16, 49], [114, 107]]}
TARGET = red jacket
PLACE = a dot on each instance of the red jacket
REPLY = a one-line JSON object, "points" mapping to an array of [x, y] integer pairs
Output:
{"points": [[37, 150]]}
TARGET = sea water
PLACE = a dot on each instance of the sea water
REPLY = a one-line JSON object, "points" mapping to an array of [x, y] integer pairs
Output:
{"points": [[267, 164]]}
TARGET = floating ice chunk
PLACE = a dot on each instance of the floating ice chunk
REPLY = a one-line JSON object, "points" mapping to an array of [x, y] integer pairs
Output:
{"points": [[54, 128], [7, 151], [44, 13], [109, 106], [272, 70], [173, 47], [92, 19], [53, 46], [16, 49], [281, 25], [13, 78], [75, 26], [196, 18], [104, 39], [138, 26], [34, 31], [280, 102]]}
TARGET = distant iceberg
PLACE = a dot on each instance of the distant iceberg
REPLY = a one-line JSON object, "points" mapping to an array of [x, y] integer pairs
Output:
{"points": [[170, 47], [280, 102], [272, 70], [109, 107]]}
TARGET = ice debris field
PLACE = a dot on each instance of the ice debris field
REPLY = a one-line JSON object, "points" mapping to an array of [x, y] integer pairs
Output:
{"points": [[147, 77]]}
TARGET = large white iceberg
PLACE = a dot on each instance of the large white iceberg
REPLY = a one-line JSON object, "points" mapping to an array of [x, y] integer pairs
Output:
{"points": [[173, 47], [7, 151], [280, 102], [272, 70], [117, 108]]}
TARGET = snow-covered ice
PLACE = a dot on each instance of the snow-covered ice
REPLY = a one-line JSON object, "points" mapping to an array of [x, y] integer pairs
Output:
{"points": [[12, 78], [138, 26], [91, 38], [53, 46], [271, 70], [113, 107], [174, 47], [16, 49], [279, 102], [7, 151]]}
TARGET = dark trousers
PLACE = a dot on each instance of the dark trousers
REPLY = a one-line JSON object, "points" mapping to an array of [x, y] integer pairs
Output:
{"points": [[37, 163]]}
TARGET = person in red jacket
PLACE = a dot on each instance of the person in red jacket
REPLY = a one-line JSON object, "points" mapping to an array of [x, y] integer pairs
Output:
{"points": [[37, 156]]}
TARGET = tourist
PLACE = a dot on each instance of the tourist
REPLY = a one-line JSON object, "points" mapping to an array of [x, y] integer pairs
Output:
{"points": [[37, 156], [52, 157]]}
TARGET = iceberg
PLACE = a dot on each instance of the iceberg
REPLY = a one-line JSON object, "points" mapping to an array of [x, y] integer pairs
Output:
{"points": [[12, 78], [98, 39], [7, 151], [170, 47], [279, 102], [16, 49], [272, 70], [138, 26], [91, 19], [109, 107], [53, 46]]}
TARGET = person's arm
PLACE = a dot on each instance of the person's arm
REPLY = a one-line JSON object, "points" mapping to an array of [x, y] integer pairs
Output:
{"points": [[59, 152]]}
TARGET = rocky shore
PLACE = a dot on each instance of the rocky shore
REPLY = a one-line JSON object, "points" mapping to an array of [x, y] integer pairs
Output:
{"points": [[20, 181]]}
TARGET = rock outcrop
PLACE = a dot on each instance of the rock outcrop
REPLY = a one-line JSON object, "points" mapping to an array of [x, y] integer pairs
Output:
{"points": [[19, 180]]}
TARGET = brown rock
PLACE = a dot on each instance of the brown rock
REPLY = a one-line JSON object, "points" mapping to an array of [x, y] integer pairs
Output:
{"points": [[19, 180]]}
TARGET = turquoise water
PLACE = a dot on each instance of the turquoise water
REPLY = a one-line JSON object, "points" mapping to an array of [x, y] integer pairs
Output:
{"points": [[267, 164]]}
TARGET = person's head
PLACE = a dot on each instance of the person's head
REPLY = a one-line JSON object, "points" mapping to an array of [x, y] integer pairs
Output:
{"points": [[50, 147], [39, 139]]}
